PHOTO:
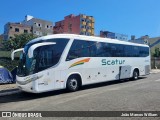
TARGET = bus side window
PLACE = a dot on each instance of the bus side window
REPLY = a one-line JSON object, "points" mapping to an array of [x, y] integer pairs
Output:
{"points": [[79, 48]]}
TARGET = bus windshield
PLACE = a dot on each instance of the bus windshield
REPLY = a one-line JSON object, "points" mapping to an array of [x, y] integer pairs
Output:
{"points": [[43, 57]]}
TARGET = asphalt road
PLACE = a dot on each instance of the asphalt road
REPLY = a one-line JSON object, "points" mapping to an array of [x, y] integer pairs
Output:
{"points": [[124, 95]]}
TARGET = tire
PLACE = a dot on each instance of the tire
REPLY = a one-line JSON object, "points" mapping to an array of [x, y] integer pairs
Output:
{"points": [[135, 75], [73, 84]]}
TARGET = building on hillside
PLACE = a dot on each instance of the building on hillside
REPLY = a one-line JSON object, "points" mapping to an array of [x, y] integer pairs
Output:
{"points": [[11, 29], [154, 43], [141, 40], [81, 24], [39, 27], [113, 35]]}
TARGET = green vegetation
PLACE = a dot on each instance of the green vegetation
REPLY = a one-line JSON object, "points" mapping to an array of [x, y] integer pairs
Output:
{"points": [[18, 41], [157, 52], [7, 63], [5, 53], [5, 60]]}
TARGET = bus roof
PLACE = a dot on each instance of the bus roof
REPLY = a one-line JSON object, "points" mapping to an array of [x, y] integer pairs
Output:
{"points": [[84, 37]]}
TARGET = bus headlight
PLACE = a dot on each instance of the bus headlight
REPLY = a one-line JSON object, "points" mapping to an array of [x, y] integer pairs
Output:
{"points": [[29, 79]]}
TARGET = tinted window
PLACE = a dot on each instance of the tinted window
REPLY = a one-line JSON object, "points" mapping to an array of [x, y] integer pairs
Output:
{"points": [[60, 44], [78, 49], [49, 55], [82, 48]]}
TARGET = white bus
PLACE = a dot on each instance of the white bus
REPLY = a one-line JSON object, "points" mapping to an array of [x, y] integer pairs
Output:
{"points": [[70, 61]]}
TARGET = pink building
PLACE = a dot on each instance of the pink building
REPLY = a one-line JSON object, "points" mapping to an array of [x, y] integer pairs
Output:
{"points": [[80, 24]]}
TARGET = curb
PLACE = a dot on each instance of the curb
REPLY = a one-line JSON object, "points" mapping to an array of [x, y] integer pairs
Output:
{"points": [[154, 72], [9, 92]]}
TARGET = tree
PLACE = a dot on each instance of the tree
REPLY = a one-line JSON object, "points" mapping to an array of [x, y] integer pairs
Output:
{"points": [[18, 41], [1, 42], [157, 52]]}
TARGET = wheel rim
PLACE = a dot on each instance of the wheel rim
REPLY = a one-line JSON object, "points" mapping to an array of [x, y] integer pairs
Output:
{"points": [[73, 83]]}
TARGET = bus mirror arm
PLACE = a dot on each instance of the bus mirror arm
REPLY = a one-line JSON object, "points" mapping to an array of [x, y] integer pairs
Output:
{"points": [[18, 50]]}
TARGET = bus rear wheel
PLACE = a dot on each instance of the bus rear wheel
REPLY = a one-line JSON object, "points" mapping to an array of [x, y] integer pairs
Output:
{"points": [[72, 84], [135, 74]]}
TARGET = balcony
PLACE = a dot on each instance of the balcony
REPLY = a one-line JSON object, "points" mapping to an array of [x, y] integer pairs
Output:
{"points": [[89, 30], [83, 30], [90, 18], [92, 25], [92, 32], [89, 24], [83, 23]]}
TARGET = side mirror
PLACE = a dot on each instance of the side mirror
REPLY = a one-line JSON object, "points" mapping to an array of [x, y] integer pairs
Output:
{"points": [[18, 50], [33, 47]]}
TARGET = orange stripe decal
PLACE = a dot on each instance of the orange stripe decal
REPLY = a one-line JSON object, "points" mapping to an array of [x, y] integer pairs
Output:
{"points": [[80, 62]]}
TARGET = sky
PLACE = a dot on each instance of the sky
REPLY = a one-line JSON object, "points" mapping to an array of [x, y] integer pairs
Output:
{"points": [[130, 17]]}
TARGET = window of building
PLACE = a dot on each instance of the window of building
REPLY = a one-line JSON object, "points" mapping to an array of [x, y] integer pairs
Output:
{"points": [[83, 20], [16, 29], [35, 23], [87, 27], [87, 33], [69, 30], [10, 27], [88, 21], [39, 25], [25, 31], [69, 25], [81, 33], [82, 26]]}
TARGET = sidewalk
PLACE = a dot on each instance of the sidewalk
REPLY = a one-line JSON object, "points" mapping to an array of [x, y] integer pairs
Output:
{"points": [[153, 71], [8, 89], [7, 86]]}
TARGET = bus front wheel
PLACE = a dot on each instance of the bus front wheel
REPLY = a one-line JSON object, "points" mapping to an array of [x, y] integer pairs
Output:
{"points": [[72, 84]]}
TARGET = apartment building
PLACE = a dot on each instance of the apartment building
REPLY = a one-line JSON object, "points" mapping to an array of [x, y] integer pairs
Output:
{"points": [[80, 24], [39, 27], [114, 35], [11, 29]]}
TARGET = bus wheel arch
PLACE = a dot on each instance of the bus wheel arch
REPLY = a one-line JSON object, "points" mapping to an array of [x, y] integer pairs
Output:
{"points": [[135, 74], [74, 82]]}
